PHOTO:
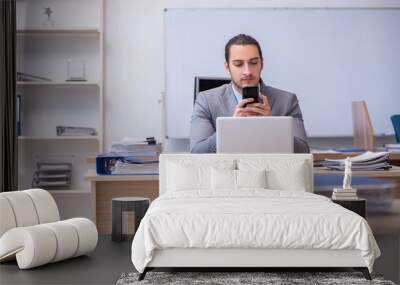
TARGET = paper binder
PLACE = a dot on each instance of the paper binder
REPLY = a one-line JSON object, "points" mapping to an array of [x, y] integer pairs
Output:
{"points": [[105, 162]]}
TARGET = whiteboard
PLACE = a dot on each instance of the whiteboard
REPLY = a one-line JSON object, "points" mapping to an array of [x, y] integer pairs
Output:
{"points": [[328, 57]]}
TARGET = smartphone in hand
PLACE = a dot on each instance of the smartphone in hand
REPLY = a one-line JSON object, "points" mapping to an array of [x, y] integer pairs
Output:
{"points": [[250, 92]]}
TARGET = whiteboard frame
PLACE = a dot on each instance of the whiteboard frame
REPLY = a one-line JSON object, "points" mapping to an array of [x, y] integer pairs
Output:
{"points": [[272, 5]]}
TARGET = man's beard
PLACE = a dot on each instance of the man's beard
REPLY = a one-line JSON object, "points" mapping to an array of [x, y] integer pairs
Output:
{"points": [[238, 86]]}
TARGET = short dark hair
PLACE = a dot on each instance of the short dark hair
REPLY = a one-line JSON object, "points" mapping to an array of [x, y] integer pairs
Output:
{"points": [[242, 40]]}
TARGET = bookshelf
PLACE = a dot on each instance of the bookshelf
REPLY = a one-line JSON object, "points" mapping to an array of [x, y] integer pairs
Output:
{"points": [[46, 46], [60, 83], [59, 138], [56, 32]]}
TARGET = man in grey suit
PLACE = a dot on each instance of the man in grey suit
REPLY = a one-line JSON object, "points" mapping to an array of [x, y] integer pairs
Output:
{"points": [[244, 63]]}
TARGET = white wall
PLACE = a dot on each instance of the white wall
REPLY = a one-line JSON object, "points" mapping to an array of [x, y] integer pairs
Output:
{"points": [[134, 47]]}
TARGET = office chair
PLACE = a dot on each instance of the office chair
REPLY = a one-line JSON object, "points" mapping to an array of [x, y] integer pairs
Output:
{"points": [[202, 83], [396, 126]]}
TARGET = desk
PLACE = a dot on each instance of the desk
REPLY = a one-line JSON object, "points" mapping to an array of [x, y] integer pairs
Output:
{"points": [[393, 173], [105, 187], [385, 226], [394, 158], [383, 223]]}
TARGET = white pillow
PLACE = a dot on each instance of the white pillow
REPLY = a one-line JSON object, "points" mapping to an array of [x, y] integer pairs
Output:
{"points": [[285, 174], [189, 174], [237, 179], [223, 179], [251, 178]]}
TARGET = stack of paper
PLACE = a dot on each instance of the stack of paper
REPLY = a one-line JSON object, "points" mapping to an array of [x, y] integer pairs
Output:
{"points": [[344, 194], [366, 161], [393, 147], [137, 147], [130, 167], [130, 157]]}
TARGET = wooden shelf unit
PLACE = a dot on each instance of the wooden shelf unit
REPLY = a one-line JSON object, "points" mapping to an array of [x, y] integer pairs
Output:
{"points": [[50, 32], [60, 83], [46, 52], [59, 138]]}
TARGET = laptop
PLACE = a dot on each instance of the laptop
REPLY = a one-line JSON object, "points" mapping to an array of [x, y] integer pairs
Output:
{"points": [[254, 135]]}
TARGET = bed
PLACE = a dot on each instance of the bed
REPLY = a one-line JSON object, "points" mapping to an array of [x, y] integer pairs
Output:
{"points": [[247, 210]]}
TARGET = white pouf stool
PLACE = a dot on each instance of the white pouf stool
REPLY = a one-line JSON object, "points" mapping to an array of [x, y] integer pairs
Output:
{"points": [[31, 230]]}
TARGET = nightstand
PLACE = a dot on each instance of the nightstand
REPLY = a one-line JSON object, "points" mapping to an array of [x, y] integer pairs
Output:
{"points": [[358, 206], [138, 205]]}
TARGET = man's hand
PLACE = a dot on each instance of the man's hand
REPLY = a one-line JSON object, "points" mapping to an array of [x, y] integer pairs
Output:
{"points": [[253, 109], [240, 110]]}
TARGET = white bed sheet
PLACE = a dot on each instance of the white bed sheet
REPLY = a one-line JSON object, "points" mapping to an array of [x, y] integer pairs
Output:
{"points": [[251, 218]]}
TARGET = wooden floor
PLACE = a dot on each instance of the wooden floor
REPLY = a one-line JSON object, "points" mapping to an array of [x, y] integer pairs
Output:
{"points": [[103, 266]]}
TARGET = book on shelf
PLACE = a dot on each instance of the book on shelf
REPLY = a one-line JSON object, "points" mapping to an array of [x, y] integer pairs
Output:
{"points": [[75, 131], [335, 197], [344, 194], [345, 191]]}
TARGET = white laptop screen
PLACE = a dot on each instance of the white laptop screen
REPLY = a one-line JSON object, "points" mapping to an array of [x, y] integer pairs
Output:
{"points": [[255, 135]]}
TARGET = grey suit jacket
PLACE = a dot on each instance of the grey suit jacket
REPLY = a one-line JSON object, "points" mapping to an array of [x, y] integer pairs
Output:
{"points": [[221, 102]]}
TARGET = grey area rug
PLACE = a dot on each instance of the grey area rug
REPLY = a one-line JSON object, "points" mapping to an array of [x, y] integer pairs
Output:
{"points": [[225, 278]]}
